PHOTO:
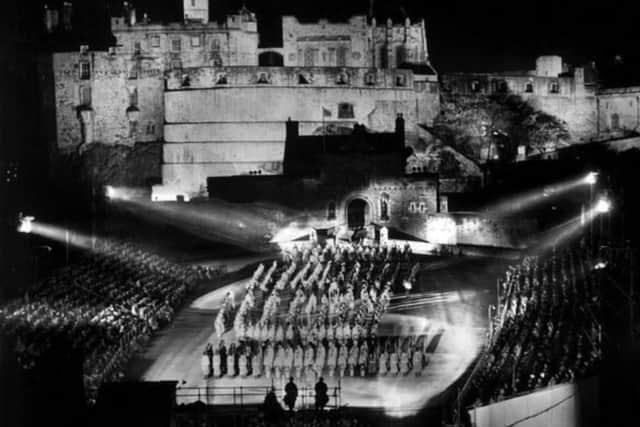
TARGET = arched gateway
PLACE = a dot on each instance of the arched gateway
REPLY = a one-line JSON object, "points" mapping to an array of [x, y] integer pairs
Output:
{"points": [[356, 213]]}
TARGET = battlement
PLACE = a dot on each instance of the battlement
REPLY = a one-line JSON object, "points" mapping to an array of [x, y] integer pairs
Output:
{"points": [[300, 77]]}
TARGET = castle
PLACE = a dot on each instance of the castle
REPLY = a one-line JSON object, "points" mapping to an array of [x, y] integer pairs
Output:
{"points": [[218, 101]]}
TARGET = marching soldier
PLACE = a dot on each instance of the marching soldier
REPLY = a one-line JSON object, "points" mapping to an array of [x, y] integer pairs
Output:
{"points": [[353, 358], [342, 359], [267, 361], [298, 360], [363, 358], [332, 356]]}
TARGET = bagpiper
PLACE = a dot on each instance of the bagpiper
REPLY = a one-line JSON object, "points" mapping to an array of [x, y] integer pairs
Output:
{"points": [[363, 358], [342, 359], [298, 360], [288, 360], [332, 356], [256, 361], [279, 361], [320, 359], [267, 360], [352, 362], [382, 362]]}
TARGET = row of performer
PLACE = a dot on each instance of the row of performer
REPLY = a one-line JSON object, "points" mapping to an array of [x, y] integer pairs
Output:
{"points": [[354, 358]]}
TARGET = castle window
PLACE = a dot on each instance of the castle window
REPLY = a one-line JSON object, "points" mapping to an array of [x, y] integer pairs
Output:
{"points": [[475, 86], [137, 48], [176, 65], [401, 80], [133, 72], [85, 70], [176, 45], [370, 79], [151, 128], [528, 87], [263, 78], [342, 57], [195, 41], [412, 207], [308, 57], [384, 57], [133, 128], [615, 121], [186, 81], [222, 79], [85, 96], [554, 87], [342, 79], [422, 207], [331, 211], [155, 41], [401, 56], [215, 45], [384, 207], [302, 80], [133, 96], [345, 111]]}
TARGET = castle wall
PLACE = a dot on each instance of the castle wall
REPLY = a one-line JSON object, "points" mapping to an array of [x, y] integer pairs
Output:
{"points": [[248, 118], [355, 43], [109, 87], [567, 98], [619, 110]]}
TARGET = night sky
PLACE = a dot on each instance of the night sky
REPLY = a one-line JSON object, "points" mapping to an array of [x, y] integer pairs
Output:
{"points": [[463, 35]]}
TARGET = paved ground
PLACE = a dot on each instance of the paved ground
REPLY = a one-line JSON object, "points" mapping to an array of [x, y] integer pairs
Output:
{"points": [[449, 303]]}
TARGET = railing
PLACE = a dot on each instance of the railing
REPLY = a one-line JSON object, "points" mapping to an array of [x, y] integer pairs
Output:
{"points": [[251, 395]]}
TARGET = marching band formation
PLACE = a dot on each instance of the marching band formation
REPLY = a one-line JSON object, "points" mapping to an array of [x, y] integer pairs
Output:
{"points": [[317, 310]]}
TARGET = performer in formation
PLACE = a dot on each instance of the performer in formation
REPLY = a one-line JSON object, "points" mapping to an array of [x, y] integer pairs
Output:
{"points": [[316, 311]]}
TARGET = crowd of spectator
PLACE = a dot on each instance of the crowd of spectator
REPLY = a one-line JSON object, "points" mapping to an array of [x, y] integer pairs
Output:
{"points": [[546, 329], [106, 307]]}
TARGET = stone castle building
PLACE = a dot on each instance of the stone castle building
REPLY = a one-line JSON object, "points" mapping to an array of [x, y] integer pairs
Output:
{"points": [[218, 101], [201, 88]]}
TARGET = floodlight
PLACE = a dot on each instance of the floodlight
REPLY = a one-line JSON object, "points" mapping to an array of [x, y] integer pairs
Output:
{"points": [[591, 178], [26, 224], [603, 205]]}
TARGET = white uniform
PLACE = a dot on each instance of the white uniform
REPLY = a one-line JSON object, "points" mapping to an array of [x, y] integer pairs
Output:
{"points": [[216, 364], [393, 363], [256, 363], [242, 365], [332, 358], [267, 362], [382, 363], [417, 362], [320, 359], [298, 360]]}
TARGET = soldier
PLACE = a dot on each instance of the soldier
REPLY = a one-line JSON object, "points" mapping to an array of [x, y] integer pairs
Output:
{"points": [[215, 364], [393, 362], [279, 360], [332, 356], [231, 360], [363, 358], [417, 361], [382, 362], [343, 356], [330, 332], [242, 362], [205, 364], [373, 361], [320, 359], [404, 363], [289, 332], [288, 360], [280, 332], [309, 360], [352, 362], [298, 360], [256, 360], [267, 361]]}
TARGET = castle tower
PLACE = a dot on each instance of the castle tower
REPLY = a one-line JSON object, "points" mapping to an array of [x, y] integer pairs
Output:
{"points": [[196, 10]]}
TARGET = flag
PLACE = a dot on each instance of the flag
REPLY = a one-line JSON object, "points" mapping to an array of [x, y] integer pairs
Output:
{"points": [[325, 112]]}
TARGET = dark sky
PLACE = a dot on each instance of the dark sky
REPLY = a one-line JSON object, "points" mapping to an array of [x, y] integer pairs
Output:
{"points": [[463, 35]]}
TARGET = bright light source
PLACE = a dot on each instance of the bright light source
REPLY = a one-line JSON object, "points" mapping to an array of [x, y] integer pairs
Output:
{"points": [[600, 265], [603, 205], [110, 192], [591, 178], [407, 285], [26, 224]]}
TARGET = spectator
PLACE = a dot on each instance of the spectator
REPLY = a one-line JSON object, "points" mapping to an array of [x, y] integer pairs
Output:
{"points": [[321, 394], [291, 394]]}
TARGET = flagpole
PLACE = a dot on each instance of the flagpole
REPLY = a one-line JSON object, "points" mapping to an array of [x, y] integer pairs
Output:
{"points": [[324, 133]]}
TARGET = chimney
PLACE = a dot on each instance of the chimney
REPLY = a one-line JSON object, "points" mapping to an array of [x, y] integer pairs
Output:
{"points": [[132, 16], [67, 14], [50, 19]]}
